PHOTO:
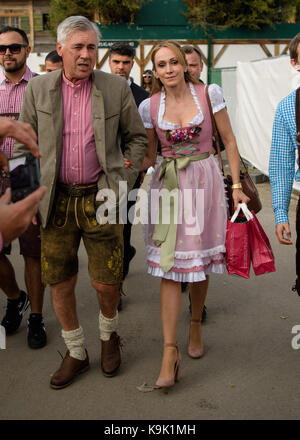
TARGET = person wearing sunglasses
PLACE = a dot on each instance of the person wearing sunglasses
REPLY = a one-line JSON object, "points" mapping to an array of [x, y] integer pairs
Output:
{"points": [[14, 77], [147, 80]]}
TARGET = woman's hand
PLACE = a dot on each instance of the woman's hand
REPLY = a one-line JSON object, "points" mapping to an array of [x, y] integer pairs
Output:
{"points": [[239, 197]]}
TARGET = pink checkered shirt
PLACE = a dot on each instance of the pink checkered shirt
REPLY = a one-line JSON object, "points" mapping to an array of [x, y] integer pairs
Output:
{"points": [[79, 161], [11, 99]]}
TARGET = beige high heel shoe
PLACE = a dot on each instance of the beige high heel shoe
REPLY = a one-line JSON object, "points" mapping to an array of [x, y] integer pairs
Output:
{"points": [[195, 353], [167, 383]]}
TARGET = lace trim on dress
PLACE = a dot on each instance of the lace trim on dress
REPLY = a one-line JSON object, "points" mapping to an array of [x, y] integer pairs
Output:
{"points": [[187, 277], [217, 102], [155, 251]]}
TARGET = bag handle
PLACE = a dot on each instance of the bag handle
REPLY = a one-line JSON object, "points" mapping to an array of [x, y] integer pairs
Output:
{"points": [[214, 127], [246, 212], [215, 133]]}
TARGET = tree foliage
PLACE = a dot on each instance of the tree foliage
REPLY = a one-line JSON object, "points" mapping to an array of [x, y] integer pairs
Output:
{"points": [[108, 11], [253, 14], [61, 9], [116, 11]]}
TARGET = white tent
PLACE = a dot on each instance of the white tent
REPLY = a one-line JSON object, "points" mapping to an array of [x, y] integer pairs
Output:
{"points": [[260, 85]]}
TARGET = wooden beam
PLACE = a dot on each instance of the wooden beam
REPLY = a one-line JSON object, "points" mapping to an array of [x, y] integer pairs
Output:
{"points": [[203, 57], [103, 59], [266, 50], [31, 22], [256, 41], [277, 50], [142, 63], [148, 57], [137, 60], [285, 50], [220, 53]]}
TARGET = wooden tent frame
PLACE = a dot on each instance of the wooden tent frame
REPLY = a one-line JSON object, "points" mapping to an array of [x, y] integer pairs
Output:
{"points": [[211, 59]]}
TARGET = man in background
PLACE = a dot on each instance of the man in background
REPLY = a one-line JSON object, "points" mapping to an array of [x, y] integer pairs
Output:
{"points": [[195, 66], [121, 60], [53, 61], [285, 143], [14, 51], [194, 60]]}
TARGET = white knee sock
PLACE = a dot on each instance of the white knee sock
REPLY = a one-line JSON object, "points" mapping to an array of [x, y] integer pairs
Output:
{"points": [[74, 340], [107, 326]]}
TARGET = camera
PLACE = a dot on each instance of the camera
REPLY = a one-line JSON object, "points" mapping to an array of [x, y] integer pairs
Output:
{"points": [[24, 172]]}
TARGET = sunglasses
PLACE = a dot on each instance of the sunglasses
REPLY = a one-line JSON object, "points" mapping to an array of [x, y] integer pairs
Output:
{"points": [[147, 76], [13, 48]]}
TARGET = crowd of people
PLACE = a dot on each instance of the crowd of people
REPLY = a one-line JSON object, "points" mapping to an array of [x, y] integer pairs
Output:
{"points": [[92, 130]]}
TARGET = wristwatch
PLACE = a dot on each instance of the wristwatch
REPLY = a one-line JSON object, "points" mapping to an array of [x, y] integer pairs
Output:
{"points": [[237, 186]]}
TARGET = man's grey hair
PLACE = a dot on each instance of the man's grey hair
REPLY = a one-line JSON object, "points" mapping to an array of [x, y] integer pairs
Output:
{"points": [[73, 24]]}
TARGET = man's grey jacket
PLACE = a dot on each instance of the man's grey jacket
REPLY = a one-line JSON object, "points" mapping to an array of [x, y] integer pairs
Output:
{"points": [[114, 113]]}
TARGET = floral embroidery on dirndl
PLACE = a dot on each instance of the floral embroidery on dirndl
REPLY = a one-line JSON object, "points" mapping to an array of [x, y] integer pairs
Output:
{"points": [[201, 229]]}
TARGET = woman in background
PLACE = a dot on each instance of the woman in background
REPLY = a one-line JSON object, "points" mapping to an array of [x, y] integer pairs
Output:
{"points": [[147, 80]]}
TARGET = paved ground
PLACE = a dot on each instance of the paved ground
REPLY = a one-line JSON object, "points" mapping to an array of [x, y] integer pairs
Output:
{"points": [[249, 370]]}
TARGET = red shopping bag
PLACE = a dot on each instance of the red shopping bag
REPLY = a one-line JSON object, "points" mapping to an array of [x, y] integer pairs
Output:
{"points": [[261, 252], [238, 246]]}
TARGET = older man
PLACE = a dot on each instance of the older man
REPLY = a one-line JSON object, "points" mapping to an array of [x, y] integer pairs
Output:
{"points": [[80, 116]]}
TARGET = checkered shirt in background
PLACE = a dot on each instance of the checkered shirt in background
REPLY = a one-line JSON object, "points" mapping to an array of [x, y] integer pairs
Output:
{"points": [[282, 157]]}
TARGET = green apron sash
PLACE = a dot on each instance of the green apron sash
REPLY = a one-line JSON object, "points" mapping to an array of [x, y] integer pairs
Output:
{"points": [[165, 234]]}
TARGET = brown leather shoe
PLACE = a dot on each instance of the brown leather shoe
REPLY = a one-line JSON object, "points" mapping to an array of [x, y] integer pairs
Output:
{"points": [[68, 370], [110, 355]]}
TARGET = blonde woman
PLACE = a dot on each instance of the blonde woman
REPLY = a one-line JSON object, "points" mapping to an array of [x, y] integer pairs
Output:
{"points": [[177, 114]]}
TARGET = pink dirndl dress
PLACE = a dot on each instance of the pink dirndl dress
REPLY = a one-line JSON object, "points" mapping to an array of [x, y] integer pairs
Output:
{"points": [[199, 251]]}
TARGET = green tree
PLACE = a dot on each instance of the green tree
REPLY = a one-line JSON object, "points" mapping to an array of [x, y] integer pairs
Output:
{"points": [[109, 11], [253, 14], [116, 11], [61, 9]]}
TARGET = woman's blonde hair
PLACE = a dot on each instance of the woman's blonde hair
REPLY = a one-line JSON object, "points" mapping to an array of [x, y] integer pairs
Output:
{"points": [[179, 53]]}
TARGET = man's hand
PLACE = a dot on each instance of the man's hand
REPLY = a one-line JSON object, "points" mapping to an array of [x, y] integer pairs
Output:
{"points": [[16, 217], [22, 132], [281, 230]]}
